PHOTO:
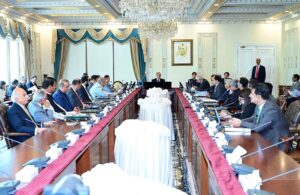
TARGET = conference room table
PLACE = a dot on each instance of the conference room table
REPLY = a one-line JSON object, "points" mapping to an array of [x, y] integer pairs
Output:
{"points": [[94, 147], [213, 175]]}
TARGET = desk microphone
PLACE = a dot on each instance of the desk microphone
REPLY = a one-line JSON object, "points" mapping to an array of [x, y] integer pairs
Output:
{"points": [[39, 162], [258, 192], [9, 186], [260, 150]]}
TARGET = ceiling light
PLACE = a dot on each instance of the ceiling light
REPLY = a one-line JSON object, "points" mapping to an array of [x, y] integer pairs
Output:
{"points": [[23, 18], [216, 4], [286, 11], [11, 6], [105, 13], [204, 19], [294, 15], [97, 5], [209, 12]]}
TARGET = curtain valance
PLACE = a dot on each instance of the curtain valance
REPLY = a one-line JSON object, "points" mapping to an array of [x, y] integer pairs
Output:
{"points": [[12, 28]]}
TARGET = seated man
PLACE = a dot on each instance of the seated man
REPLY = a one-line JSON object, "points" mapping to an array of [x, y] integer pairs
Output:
{"points": [[219, 88], [232, 101], [32, 83], [243, 83], [107, 86], [48, 86], [83, 92], [19, 117], [224, 96], [22, 84], [97, 91], [93, 80], [11, 88], [61, 97], [192, 82], [158, 78], [201, 84], [267, 120], [73, 95], [40, 107], [271, 97]]}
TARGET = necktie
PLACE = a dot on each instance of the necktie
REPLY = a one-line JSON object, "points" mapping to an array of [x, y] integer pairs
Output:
{"points": [[28, 114], [158, 80], [256, 72], [77, 96]]}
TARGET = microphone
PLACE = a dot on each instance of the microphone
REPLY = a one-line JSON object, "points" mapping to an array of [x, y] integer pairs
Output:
{"points": [[278, 143], [9, 186], [256, 191], [39, 162]]}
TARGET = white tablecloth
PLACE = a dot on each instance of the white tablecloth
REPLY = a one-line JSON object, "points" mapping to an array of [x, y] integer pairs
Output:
{"points": [[158, 92], [143, 148], [157, 110], [109, 179]]}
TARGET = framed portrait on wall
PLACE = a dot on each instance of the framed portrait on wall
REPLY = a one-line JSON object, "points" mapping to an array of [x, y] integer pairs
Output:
{"points": [[182, 52]]}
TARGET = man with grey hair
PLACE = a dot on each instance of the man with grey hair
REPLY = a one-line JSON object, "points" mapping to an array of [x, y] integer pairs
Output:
{"points": [[97, 91], [201, 84], [19, 117], [61, 97], [40, 107], [232, 101], [22, 83]]}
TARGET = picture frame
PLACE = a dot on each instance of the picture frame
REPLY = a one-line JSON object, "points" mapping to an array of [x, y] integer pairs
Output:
{"points": [[182, 52]]}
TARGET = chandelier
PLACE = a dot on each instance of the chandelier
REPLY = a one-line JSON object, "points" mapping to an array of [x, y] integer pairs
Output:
{"points": [[158, 30], [156, 18]]}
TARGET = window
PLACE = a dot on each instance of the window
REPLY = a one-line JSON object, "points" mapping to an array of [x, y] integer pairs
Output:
{"points": [[12, 59]]}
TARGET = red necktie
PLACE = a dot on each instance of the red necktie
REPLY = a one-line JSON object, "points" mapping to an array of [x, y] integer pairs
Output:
{"points": [[256, 72], [78, 96]]}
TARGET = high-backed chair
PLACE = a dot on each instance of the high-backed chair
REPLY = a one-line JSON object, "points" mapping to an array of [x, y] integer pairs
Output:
{"points": [[5, 129], [293, 117]]}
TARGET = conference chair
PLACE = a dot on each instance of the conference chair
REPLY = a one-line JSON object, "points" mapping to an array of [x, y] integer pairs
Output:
{"points": [[5, 129]]}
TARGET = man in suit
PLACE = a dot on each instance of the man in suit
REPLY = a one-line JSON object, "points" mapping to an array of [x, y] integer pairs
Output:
{"points": [[22, 83], [32, 82], [11, 88], [93, 80], [201, 84], [61, 97], [232, 101], [219, 88], [97, 91], [19, 117], [107, 86], [158, 78], [48, 86], [192, 82], [267, 120], [40, 108], [296, 83], [73, 94], [83, 92], [259, 72]]}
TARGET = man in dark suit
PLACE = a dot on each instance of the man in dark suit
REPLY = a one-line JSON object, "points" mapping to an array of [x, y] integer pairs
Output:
{"points": [[93, 80], [11, 88], [158, 78], [192, 82], [201, 84], [22, 83], [19, 117], [83, 92], [32, 82], [259, 72], [48, 86], [232, 100], [73, 94], [61, 97], [267, 120], [219, 88]]}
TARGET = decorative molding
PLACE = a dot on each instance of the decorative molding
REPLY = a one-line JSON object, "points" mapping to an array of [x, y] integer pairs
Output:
{"points": [[253, 9], [47, 4], [259, 2], [65, 11]]}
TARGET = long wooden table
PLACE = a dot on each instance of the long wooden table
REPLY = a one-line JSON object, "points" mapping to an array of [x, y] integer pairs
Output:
{"points": [[97, 146], [207, 166]]}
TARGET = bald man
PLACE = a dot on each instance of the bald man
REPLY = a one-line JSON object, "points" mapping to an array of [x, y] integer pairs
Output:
{"points": [[259, 72], [19, 117]]}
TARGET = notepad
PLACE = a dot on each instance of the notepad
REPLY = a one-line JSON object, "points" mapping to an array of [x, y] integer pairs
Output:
{"points": [[238, 131]]}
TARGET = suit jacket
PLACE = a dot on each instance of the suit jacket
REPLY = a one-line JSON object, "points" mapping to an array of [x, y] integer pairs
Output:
{"points": [[232, 100], [38, 113], [90, 86], [74, 99], [63, 100], [21, 85], [84, 94], [203, 86], [218, 91], [295, 86], [192, 82], [20, 122], [272, 124], [9, 91], [30, 84], [55, 104], [155, 80], [261, 73]]}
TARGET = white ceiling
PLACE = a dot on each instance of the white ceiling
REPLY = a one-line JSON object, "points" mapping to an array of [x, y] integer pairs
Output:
{"points": [[72, 12]]}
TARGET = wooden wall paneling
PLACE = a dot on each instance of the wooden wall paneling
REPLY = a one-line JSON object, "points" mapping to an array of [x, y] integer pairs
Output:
{"points": [[111, 141]]}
